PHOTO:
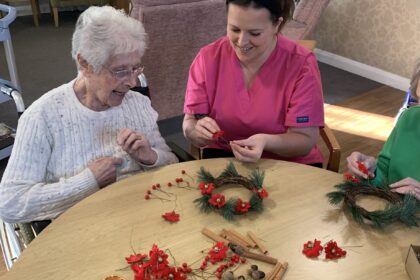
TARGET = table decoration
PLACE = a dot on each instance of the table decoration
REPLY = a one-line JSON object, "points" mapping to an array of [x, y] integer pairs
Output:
{"points": [[243, 252], [313, 249], [228, 208], [155, 265], [403, 208]]}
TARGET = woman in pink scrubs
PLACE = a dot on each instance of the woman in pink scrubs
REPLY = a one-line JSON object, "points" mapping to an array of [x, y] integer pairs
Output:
{"points": [[260, 88]]}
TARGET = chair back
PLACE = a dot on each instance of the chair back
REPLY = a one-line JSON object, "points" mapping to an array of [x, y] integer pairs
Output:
{"points": [[176, 29], [306, 16]]}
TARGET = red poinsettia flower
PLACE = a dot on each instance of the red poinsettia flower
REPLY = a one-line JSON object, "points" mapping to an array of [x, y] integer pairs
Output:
{"points": [[175, 274], [350, 177], [312, 249], [362, 167], [139, 271], [242, 206], [171, 217], [332, 251], [158, 258], [206, 188], [217, 200], [135, 258], [218, 134], [262, 193], [218, 252]]}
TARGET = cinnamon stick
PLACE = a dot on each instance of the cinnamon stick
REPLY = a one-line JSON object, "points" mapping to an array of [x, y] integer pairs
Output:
{"points": [[274, 271], [245, 239], [281, 272], [213, 235], [260, 246], [260, 257], [233, 239]]}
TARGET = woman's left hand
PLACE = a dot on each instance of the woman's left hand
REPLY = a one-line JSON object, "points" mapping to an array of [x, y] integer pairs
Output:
{"points": [[250, 149], [137, 146], [407, 186]]}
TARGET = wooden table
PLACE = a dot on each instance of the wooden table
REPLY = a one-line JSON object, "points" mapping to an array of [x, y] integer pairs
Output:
{"points": [[91, 239]]}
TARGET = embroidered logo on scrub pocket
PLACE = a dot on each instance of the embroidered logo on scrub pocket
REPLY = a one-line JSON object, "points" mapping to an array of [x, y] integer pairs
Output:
{"points": [[304, 119]]}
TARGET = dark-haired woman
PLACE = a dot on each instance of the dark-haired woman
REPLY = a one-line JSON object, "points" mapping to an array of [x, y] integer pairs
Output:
{"points": [[262, 89]]}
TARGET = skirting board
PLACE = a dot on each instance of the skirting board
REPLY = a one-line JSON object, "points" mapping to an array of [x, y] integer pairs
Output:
{"points": [[364, 70]]}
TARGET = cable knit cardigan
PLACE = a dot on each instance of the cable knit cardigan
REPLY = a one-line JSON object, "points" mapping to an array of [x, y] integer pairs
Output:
{"points": [[56, 139]]}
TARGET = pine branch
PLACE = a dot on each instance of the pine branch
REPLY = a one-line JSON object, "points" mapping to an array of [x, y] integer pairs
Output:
{"points": [[257, 178], [256, 203], [204, 205], [230, 171], [205, 176], [228, 210], [335, 197]]}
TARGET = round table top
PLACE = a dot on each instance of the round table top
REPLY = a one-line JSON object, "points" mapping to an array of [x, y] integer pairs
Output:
{"points": [[92, 239]]}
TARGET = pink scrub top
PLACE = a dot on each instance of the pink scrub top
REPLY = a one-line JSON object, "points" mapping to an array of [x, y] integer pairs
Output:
{"points": [[286, 92]]}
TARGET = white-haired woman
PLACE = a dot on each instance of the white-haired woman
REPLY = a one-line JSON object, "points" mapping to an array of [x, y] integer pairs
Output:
{"points": [[88, 133], [398, 162]]}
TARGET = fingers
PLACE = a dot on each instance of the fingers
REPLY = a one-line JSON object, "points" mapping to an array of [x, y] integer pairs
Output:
{"points": [[123, 135], [407, 186], [357, 158], [130, 140], [206, 127], [244, 153], [105, 170], [410, 190]]}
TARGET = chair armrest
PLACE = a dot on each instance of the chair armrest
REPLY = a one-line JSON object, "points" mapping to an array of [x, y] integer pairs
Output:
{"points": [[333, 147]]}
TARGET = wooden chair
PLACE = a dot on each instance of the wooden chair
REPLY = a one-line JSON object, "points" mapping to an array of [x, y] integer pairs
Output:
{"points": [[34, 7], [56, 4]]}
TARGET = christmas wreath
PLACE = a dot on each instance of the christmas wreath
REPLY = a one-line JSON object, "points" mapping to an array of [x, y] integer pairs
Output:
{"points": [[215, 201], [404, 208]]}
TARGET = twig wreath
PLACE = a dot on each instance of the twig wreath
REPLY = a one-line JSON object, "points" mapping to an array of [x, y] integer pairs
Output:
{"points": [[404, 208], [212, 201]]}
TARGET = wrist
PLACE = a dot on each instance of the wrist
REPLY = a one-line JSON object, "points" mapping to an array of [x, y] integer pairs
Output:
{"points": [[148, 158]]}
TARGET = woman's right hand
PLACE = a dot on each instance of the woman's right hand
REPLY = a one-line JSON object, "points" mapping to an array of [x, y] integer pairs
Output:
{"points": [[105, 170], [353, 165], [200, 131]]}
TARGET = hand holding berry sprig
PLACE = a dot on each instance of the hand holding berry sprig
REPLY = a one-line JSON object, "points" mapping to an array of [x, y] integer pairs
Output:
{"points": [[361, 165]]}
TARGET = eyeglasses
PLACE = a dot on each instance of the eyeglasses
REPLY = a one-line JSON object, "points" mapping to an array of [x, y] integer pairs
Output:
{"points": [[126, 73]]}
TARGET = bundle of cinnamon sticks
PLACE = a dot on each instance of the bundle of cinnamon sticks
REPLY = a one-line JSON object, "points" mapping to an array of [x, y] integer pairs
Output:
{"points": [[243, 244]]}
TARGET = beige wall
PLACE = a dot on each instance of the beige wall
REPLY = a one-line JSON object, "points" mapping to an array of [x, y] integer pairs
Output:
{"points": [[380, 33]]}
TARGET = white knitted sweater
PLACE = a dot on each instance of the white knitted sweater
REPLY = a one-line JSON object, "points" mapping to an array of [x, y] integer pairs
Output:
{"points": [[56, 139]]}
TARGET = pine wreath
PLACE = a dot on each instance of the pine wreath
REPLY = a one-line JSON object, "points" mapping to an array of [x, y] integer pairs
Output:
{"points": [[403, 208], [214, 201]]}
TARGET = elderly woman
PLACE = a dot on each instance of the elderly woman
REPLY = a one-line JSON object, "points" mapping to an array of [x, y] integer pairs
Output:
{"points": [[398, 162], [262, 89], [88, 133]]}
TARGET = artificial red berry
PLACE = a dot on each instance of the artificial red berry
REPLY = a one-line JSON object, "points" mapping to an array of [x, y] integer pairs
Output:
{"points": [[147, 197]]}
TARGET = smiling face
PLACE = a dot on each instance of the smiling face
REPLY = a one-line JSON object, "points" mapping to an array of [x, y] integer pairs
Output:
{"points": [[251, 32], [105, 89]]}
